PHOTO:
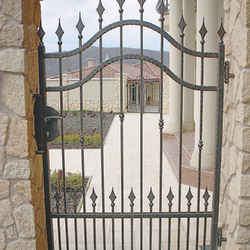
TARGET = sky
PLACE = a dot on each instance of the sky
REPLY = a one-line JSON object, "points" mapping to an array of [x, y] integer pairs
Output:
{"points": [[68, 12]]}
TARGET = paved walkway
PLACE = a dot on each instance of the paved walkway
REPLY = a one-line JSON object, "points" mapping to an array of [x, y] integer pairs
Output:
{"points": [[131, 179]]}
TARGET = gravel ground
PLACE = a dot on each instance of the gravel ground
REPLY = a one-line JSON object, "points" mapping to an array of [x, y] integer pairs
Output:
{"points": [[91, 125]]}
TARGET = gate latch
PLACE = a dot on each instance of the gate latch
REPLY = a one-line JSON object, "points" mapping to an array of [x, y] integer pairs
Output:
{"points": [[51, 127], [227, 75], [220, 238]]}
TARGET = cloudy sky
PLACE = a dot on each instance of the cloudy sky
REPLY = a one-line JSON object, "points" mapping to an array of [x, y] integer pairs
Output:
{"points": [[68, 11]]}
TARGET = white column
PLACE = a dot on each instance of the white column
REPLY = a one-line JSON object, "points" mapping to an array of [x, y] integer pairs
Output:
{"points": [[189, 64], [173, 125], [208, 10]]}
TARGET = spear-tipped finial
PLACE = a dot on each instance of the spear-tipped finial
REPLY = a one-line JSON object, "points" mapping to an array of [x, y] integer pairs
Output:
{"points": [[189, 196], [203, 31], [161, 8], [59, 32], [120, 2], [100, 9], [182, 24], [80, 26], [221, 32], [41, 33], [170, 197], [141, 2]]}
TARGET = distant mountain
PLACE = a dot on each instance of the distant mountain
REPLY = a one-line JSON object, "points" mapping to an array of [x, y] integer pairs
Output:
{"points": [[72, 63]]}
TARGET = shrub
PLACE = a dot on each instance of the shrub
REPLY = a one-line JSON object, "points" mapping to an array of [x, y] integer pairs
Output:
{"points": [[53, 177], [73, 180], [88, 139], [74, 139], [73, 112], [96, 139]]}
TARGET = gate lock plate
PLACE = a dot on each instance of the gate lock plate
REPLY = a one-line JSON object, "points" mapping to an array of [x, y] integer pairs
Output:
{"points": [[51, 126]]}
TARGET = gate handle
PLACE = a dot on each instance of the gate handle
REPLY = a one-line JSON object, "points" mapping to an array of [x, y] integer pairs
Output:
{"points": [[46, 119], [220, 238], [227, 75]]}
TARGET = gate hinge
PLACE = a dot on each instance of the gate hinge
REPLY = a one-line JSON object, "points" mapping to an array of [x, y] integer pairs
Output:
{"points": [[220, 238], [38, 116], [227, 75]]}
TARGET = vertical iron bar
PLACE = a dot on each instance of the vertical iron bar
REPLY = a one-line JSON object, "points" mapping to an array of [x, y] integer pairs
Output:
{"points": [[80, 37], [188, 228], [170, 197], [151, 198], [102, 150], [180, 149], [121, 128], [62, 137], [161, 125], [169, 229], [205, 228], [45, 156], [217, 171], [113, 226], [141, 129], [59, 232], [94, 220], [75, 220], [200, 145]]}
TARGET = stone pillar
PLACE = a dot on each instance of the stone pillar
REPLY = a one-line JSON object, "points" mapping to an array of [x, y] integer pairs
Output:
{"points": [[235, 178], [207, 10], [173, 124], [189, 64], [22, 214]]}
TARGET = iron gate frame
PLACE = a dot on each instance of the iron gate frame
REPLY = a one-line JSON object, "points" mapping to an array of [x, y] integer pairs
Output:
{"points": [[40, 121]]}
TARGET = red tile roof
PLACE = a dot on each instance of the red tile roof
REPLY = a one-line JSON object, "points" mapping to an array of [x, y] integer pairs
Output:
{"points": [[150, 71]]}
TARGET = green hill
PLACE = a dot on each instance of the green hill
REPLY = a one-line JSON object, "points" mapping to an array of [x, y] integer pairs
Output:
{"points": [[72, 63]]}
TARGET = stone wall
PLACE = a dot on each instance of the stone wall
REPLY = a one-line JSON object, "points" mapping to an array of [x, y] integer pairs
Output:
{"points": [[235, 179], [107, 105], [22, 214]]}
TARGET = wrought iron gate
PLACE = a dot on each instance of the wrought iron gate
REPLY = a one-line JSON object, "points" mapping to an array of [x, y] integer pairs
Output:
{"points": [[131, 210]]}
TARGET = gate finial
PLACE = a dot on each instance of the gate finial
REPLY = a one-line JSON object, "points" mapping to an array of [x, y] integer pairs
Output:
{"points": [[203, 31], [182, 24], [80, 26], [141, 2], [59, 32], [221, 32], [100, 9], [40, 33], [170, 197], [161, 8], [120, 2]]}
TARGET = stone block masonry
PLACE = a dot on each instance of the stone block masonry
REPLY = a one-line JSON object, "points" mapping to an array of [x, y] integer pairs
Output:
{"points": [[22, 212], [235, 187]]}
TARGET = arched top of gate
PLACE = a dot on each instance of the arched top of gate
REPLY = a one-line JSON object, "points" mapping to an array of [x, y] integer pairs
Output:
{"points": [[126, 57], [118, 24]]}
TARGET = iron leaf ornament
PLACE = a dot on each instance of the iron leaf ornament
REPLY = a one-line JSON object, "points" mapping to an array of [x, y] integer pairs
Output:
{"points": [[112, 196], [161, 7], [120, 2], [141, 2], [221, 32], [93, 196], [203, 31], [206, 196], [132, 197], [80, 26], [41, 33], [100, 9], [170, 197], [182, 24], [59, 32]]}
